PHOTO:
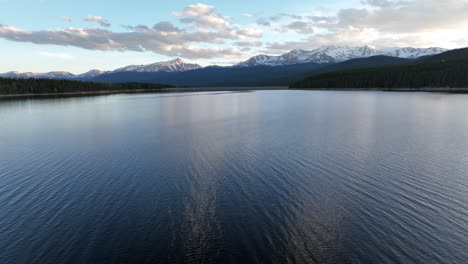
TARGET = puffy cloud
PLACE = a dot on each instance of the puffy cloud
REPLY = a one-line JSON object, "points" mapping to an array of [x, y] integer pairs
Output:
{"points": [[166, 27], [292, 16], [403, 16], [208, 36], [276, 18], [248, 43], [263, 22], [97, 19], [203, 33], [203, 16], [163, 38], [300, 27], [250, 33], [378, 3], [196, 10], [317, 20], [384, 23]]}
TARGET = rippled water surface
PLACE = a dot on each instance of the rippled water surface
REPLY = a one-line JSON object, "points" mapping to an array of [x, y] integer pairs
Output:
{"points": [[254, 177]]}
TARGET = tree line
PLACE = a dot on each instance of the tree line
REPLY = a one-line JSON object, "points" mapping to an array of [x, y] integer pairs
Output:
{"points": [[443, 71], [44, 86]]}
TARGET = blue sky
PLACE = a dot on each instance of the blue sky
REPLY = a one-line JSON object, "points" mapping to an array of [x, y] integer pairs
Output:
{"points": [[76, 36]]}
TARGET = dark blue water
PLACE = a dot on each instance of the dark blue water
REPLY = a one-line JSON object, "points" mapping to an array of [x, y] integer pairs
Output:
{"points": [[257, 177]]}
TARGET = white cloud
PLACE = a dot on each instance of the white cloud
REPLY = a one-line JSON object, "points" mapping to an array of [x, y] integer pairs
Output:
{"points": [[250, 33], [300, 27], [208, 35], [248, 43], [203, 33], [163, 38], [196, 10], [202, 16], [418, 23], [100, 20], [263, 22], [248, 15]]}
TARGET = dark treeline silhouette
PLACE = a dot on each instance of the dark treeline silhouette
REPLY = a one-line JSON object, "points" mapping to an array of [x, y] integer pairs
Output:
{"points": [[446, 72], [47, 86]]}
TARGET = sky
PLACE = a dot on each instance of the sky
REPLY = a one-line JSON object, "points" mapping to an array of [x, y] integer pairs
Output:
{"points": [[77, 36]]}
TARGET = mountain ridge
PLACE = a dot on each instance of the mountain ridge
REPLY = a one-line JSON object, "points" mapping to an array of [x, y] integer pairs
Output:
{"points": [[176, 65], [337, 54], [445, 72], [331, 54]]}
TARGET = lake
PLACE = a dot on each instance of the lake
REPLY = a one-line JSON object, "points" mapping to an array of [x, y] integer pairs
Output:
{"points": [[242, 177]]}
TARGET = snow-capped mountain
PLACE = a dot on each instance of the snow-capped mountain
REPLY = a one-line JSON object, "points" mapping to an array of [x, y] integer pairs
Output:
{"points": [[48, 75], [15, 74], [325, 54], [176, 65], [335, 54], [88, 75], [52, 75], [412, 53]]}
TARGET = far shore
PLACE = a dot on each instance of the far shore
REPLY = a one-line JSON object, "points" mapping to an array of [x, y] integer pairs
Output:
{"points": [[163, 90], [423, 89], [227, 89]]}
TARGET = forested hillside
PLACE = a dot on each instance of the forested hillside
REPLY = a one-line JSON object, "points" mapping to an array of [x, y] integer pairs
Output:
{"points": [[45, 86], [219, 76], [447, 70]]}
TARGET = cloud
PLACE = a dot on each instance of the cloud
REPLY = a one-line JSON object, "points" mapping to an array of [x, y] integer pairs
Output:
{"points": [[195, 10], [202, 16], [250, 33], [378, 3], [248, 43], [300, 27], [276, 18], [97, 19], [208, 35], [403, 17], [64, 56], [203, 33], [263, 22], [248, 15], [66, 19], [166, 27], [163, 38], [419, 23]]}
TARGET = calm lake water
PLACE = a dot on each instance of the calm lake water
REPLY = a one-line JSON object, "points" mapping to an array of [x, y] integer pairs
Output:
{"points": [[251, 177]]}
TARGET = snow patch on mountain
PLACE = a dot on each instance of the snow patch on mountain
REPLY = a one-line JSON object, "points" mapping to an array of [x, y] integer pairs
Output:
{"points": [[176, 65], [325, 54], [335, 54]]}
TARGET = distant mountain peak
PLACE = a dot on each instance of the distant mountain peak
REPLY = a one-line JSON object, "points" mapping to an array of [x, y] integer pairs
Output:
{"points": [[335, 54], [178, 60], [176, 65], [323, 55]]}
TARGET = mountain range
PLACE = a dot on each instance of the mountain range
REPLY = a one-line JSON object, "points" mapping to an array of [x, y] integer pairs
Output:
{"points": [[176, 65], [261, 70], [445, 72], [324, 55], [53, 75], [336, 54]]}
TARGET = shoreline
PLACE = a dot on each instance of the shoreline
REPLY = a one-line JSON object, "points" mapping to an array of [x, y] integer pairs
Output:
{"points": [[223, 89], [409, 90], [162, 90]]}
